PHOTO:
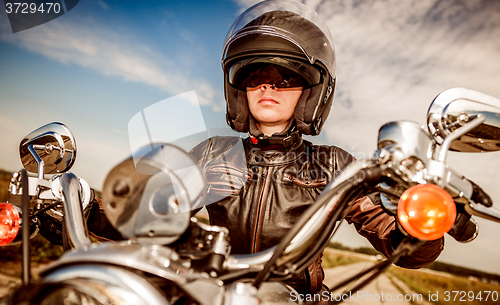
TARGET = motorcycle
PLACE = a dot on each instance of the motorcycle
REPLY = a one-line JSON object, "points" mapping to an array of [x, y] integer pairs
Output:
{"points": [[169, 257]]}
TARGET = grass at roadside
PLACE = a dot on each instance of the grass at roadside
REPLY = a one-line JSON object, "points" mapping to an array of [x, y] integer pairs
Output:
{"points": [[42, 252], [451, 289]]}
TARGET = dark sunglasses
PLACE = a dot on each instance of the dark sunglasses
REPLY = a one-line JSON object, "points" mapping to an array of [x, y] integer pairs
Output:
{"points": [[274, 71], [273, 75]]}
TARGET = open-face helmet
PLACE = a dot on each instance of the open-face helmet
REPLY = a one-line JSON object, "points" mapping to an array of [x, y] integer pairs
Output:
{"points": [[287, 42]]}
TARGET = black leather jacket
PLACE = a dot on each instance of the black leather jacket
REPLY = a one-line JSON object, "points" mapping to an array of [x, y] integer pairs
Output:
{"points": [[259, 192]]}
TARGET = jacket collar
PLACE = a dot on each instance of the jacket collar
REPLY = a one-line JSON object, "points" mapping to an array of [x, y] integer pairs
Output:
{"points": [[276, 154]]}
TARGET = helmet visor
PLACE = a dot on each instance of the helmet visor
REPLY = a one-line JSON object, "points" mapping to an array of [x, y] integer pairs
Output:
{"points": [[276, 71]]}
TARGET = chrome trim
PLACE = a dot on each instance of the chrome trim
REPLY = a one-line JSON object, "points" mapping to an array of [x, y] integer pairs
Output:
{"points": [[404, 140], [46, 139], [482, 211], [457, 185], [246, 261], [50, 189], [457, 134], [75, 222], [438, 170], [241, 293], [150, 259], [108, 284], [154, 259], [453, 108], [275, 293], [41, 164], [149, 196], [220, 237]]}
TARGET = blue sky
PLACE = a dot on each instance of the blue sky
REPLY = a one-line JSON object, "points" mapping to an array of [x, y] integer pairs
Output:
{"points": [[103, 62]]}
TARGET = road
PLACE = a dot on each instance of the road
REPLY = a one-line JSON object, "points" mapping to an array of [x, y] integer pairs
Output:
{"points": [[385, 289]]}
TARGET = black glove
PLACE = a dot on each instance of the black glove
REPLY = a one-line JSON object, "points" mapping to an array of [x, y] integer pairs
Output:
{"points": [[465, 228], [98, 223]]}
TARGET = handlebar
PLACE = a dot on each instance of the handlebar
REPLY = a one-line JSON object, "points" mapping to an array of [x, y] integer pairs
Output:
{"points": [[77, 228]]}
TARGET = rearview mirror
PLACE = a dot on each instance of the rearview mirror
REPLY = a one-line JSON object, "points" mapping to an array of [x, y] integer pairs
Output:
{"points": [[152, 200], [454, 108], [50, 149]]}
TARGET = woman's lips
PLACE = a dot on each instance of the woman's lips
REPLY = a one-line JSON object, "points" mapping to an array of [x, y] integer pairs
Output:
{"points": [[267, 100]]}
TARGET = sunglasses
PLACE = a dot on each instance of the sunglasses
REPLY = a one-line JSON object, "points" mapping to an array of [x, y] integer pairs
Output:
{"points": [[277, 72], [273, 75]]}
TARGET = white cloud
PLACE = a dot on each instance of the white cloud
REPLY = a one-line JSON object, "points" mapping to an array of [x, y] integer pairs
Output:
{"points": [[85, 43], [393, 57]]}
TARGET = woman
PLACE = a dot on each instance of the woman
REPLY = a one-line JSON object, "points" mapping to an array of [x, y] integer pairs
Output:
{"points": [[279, 77]]}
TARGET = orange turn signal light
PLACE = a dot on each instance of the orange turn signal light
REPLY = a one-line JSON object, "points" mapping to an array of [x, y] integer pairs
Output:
{"points": [[9, 223], [426, 211]]}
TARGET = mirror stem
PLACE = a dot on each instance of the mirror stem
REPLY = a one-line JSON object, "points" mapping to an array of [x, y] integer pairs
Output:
{"points": [[478, 120], [41, 164]]}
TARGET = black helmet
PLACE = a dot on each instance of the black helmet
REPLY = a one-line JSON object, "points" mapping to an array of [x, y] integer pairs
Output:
{"points": [[287, 34]]}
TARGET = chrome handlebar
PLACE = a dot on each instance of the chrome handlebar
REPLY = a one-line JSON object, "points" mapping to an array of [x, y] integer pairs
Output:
{"points": [[75, 222]]}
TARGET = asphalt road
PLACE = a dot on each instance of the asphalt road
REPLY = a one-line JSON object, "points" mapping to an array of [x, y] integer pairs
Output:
{"points": [[386, 289]]}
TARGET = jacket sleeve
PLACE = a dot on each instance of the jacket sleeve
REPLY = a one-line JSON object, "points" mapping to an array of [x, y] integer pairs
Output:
{"points": [[201, 151], [372, 222]]}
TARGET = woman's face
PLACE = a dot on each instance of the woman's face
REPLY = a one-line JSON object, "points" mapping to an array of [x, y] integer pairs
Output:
{"points": [[272, 107]]}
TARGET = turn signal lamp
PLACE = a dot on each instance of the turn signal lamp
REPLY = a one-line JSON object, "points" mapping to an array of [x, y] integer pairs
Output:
{"points": [[426, 211], [9, 223]]}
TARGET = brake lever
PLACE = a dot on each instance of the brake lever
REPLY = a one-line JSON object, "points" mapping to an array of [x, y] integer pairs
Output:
{"points": [[474, 200], [480, 196], [479, 203]]}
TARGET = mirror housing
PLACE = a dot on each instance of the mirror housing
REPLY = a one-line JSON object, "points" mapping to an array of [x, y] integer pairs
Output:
{"points": [[454, 108], [50, 149], [151, 201]]}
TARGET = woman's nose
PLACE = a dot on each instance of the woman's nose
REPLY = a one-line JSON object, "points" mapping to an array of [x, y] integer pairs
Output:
{"points": [[266, 86]]}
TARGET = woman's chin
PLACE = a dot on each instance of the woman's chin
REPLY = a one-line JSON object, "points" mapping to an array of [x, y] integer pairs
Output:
{"points": [[268, 117]]}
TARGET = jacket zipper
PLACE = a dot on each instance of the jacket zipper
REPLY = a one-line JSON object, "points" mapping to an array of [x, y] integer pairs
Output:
{"points": [[260, 211]]}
